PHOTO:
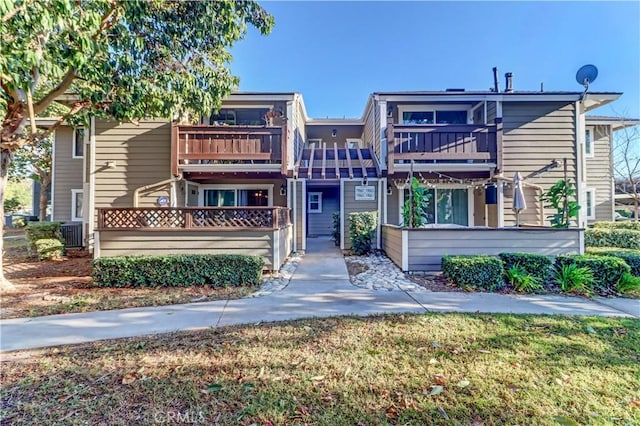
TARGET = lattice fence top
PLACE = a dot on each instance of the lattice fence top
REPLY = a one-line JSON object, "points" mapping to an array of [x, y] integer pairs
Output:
{"points": [[193, 218]]}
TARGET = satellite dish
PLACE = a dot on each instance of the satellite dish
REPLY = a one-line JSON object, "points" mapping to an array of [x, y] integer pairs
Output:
{"points": [[586, 75]]}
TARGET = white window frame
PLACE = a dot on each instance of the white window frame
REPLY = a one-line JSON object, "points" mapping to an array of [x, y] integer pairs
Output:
{"points": [[432, 108], [317, 143], [470, 202], [591, 133], [356, 141], [311, 194], [75, 142], [268, 187], [74, 199], [590, 205]]}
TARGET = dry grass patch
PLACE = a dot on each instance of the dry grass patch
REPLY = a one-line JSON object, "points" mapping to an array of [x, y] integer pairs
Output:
{"points": [[64, 286], [400, 369]]}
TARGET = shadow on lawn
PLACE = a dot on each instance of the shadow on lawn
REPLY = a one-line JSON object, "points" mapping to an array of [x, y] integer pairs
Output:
{"points": [[332, 371]]}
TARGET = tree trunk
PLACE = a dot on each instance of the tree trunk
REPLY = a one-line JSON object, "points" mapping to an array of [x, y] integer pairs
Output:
{"points": [[44, 197], [5, 160]]}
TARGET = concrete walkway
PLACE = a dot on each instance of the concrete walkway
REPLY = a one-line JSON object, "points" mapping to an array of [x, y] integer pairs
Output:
{"points": [[320, 287]]}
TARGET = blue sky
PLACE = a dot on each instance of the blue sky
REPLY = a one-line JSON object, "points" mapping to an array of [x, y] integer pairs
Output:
{"points": [[337, 53]]}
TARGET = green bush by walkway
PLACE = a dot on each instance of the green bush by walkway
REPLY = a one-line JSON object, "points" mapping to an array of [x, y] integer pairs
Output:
{"points": [[631, 257], [604, 237], [218, 270], [482, 272]]}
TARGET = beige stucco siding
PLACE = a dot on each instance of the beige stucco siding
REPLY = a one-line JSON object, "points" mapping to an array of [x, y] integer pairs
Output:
{"points": [[142, 156], [351, 205], [599, 173], [67, 173], [536, 133]]}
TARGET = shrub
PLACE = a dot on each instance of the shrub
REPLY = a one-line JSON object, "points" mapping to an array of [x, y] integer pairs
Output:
{"points": [[574, 279], [536, 265], [35, 231], [522, 281], [362, 231], [335, 232], [217, 270], [49, 248], [628, 284], [484, 272], [631, 257], [607, 270], [627, 224], [603, 237]]}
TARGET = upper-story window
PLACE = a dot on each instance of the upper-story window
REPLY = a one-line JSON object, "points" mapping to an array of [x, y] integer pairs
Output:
{"points": [[78, 143], [239, 117], [434, 117], [588, 143]]}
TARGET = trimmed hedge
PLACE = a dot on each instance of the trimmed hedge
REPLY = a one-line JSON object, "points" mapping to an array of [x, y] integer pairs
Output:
{"points": [[483, 272], [49, 248], [603, 237], [219, 270], [625, 224], [35, 231], [362, 231], [631, 257], [607, 270], [536, 265]]}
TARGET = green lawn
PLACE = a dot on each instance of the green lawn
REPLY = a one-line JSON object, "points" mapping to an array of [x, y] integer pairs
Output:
{"points": [[402, 369]]}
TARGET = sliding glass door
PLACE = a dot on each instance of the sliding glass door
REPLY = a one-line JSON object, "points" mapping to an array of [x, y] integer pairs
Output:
{"points": [[236, 197], [445, 206]]}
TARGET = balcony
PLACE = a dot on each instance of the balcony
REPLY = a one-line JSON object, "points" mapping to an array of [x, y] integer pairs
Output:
{"points": [[220, 148], [444, 143]]}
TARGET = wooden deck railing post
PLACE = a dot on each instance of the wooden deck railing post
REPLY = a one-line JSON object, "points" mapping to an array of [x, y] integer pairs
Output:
{"points": [[188, 219]]}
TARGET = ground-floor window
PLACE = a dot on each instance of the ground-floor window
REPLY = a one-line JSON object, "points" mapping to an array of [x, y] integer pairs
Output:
{"points": [[445, 206], [76, 205], [227, 197]]}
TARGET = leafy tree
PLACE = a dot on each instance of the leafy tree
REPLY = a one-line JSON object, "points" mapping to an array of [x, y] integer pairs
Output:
{"points": [[18, 195], [561, 196], [34, 161], [116, 59], [626, 164], [414, 209]]}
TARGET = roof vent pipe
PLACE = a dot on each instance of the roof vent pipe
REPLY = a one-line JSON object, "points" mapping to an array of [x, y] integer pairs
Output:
{"points": [[496, 86], [509, 82]]}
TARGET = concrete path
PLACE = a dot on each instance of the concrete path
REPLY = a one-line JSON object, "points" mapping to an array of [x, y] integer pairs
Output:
{"points": [[320, 287]]}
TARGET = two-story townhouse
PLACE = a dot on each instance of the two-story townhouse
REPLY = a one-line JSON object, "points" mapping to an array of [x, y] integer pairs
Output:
{"points": [[259, 176]]}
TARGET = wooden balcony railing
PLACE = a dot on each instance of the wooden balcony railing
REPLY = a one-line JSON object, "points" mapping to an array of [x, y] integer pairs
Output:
{"points": [[203, 144], [444, 142], [192, 218]]}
